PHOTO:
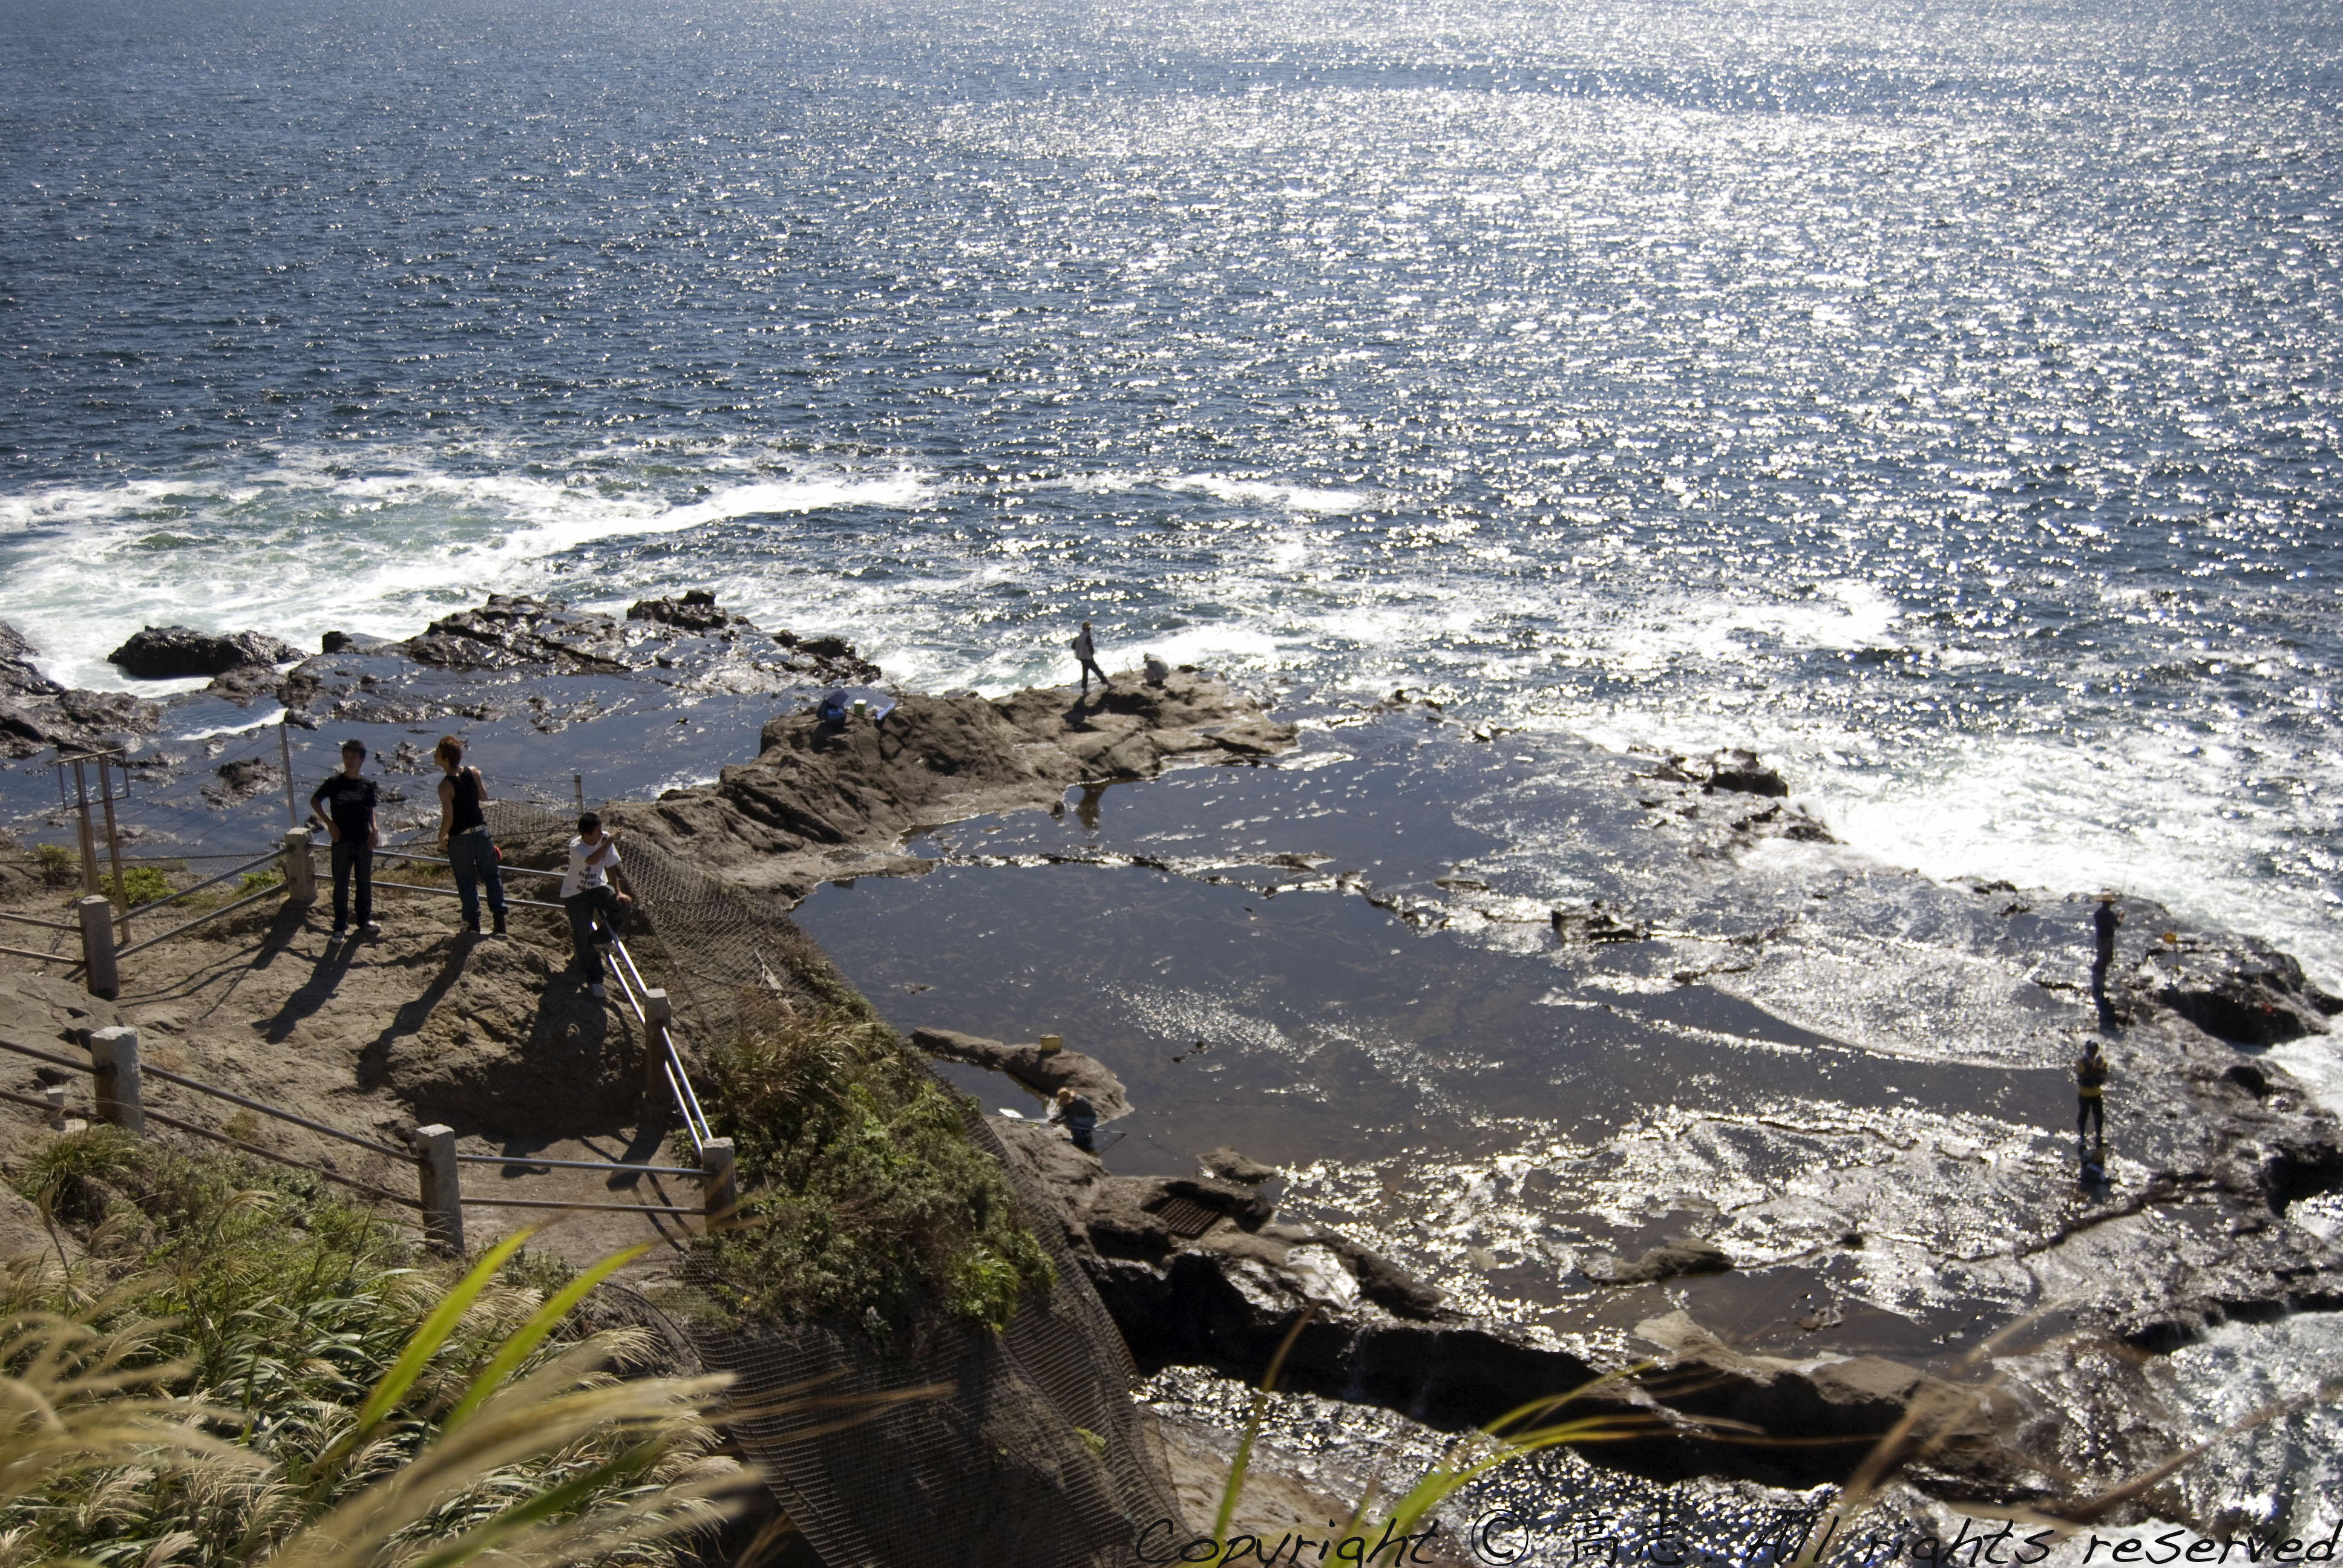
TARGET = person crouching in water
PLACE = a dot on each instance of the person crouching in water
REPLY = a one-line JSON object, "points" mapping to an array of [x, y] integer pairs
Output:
{"points": [[1079, 1117], [589, 899], [2090, 1085], [463, 836]]}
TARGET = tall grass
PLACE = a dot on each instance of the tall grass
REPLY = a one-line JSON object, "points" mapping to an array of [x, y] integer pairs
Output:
{"points": [[283, 1382]]}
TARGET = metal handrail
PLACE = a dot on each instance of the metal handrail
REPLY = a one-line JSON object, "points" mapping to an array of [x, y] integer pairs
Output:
{"points": [[695, 1122], [39, 1055], [127, 915], [40, 1105], [634, 1000], [148, 1069], [37, 920], [627, 958], [452, 893], [209, 915], [502, 869], [554, 1203], [71, 962], [577, 1164], [368, 1189], [200, 920]]}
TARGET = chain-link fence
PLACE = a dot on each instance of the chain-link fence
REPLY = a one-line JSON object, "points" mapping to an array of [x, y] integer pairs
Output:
{"points": [[1032, 1453]]}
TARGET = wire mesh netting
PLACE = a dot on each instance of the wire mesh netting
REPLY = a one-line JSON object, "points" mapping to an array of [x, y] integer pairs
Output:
{"points": [[1028, 1451]]}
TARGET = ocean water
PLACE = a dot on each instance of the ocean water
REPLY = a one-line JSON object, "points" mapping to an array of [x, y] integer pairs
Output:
{"points": [[1942, 399]]}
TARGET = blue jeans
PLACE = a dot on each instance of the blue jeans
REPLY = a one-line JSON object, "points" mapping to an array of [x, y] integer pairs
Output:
{"points": [[353, 858], [594, 905], [473, 854]]}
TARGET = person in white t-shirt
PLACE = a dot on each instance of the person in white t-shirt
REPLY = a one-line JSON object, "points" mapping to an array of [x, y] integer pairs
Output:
{"points": [[589, 899]]}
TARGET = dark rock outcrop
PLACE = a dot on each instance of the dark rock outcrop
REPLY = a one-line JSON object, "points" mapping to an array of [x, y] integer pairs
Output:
{"points": [[1044, 1073], [694, 611], [241, 779], [170, 652], [2237, 989], [1227, 1165], [37, 713], [1685, 1255], [511, 630], [350, 642], [18, 678], [1597, 924], [819, 794]]}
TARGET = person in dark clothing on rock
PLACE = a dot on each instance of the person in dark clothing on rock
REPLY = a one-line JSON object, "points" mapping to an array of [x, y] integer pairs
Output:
{"points": [[1087, 652], [346, 803], [1079, 1117], [2104, 922], [463, 836], [2090, 1085]]}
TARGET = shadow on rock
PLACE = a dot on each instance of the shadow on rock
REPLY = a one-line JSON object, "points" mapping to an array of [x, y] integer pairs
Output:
{"points": [[502, 1046]]}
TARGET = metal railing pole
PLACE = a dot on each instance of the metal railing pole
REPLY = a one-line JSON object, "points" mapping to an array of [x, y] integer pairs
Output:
{"points": [[89, 839], [285, 752], [720, 1189], [442, 1199], [113, 1061], [300, 867], [99, 970], [113, 841]]}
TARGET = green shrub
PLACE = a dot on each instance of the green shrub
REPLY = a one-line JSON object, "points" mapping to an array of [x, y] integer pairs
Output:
{"points": [[58, 866], [253, 881], [862, 1198], [142, 885]]}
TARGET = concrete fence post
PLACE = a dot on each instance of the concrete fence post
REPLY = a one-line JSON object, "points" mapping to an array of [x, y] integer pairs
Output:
{"points": [[443, 1199], [113, 1053], [657, 1011], [300, 867], [103, 975], [719, 1190]]}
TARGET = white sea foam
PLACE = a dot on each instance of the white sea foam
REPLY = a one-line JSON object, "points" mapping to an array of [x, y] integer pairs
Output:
{"points": [[1297, 498], [369, 542]]}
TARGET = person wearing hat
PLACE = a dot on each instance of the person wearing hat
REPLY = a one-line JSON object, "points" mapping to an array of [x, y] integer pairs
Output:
{"points": [[346, 803], [2104, 922], [2090, 1086]]}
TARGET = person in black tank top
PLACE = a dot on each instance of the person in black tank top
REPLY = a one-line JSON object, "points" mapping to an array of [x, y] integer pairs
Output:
{"points": [[463, 836]]}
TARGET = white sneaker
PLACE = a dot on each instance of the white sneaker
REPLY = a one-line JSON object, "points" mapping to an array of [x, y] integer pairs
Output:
{"points": [[596, 990], [373, 929]]}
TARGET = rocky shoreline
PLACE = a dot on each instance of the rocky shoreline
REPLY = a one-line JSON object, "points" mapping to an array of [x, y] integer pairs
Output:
{"points": [[2210, 1216]]}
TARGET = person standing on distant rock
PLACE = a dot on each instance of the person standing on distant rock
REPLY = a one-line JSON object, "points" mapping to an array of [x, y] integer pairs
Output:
{"points": [[345, 804], [2090, 1086], [589, 899], [1078, 1115], [1087, 652], [2104, 922], [463, 836]]}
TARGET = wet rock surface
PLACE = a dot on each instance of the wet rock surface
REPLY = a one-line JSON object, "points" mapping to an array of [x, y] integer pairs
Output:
{"points": [[172, 652], [1850, 1081], [1345, 959], [37, 713], [821, 796], [1198, 1273], [1043, 1071]]}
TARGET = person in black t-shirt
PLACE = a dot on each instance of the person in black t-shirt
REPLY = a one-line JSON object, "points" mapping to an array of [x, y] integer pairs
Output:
{"points": [[345, 803], [463, 836]]}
